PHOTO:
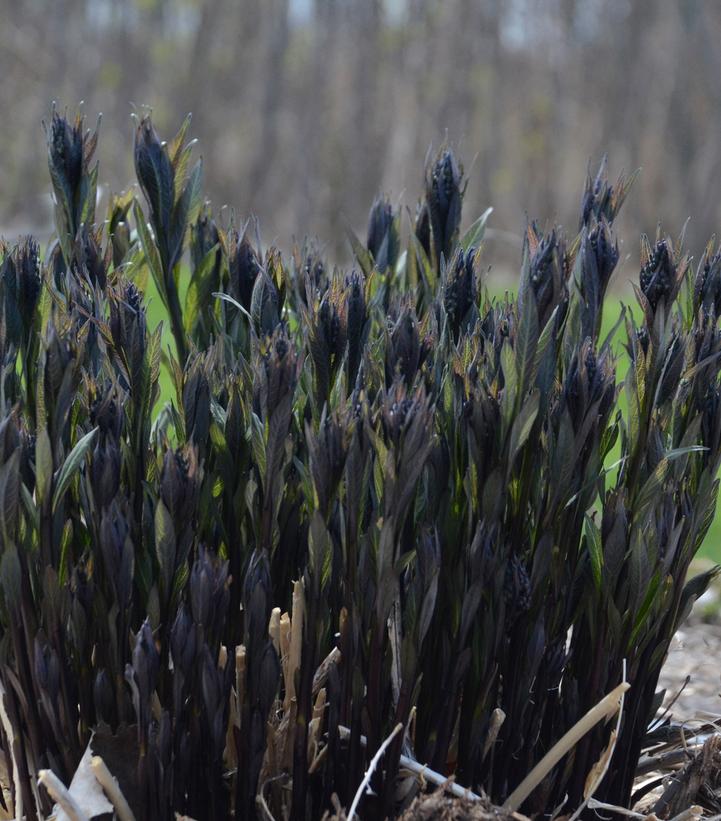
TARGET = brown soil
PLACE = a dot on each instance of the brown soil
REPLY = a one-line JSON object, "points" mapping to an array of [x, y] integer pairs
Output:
{"points": [[696, 653], [441, 805]]}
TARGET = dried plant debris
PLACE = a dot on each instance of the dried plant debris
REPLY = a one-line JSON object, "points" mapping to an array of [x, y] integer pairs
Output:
{"points": [[375, 530], [699, 783], [443, 805]]}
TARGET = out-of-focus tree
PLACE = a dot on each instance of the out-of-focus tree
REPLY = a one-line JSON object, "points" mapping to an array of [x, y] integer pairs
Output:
{"points": [[305, 108]]}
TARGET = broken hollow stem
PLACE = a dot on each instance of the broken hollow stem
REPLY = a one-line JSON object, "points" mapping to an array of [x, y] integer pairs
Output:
{"points": [[111, 789], [605, 708], [60, 795]]}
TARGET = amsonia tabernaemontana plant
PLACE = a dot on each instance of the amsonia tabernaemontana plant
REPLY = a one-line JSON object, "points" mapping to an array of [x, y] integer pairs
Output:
{"points": [[375, 497]]}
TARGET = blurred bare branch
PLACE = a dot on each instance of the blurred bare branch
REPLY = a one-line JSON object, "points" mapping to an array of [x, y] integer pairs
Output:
{"points": [[305, 104]]}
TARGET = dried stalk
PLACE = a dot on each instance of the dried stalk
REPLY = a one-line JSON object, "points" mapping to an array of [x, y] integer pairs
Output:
{"points": [[601, 767], [60, 795], [284, 640], [296, 642], [316, 723], [605, 708], [321, 674], [111, 788], [495, 724], [594, 804], [17, 809], [274, 628]]}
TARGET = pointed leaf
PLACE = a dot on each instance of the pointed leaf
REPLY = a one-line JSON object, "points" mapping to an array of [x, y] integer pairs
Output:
{"points": [[72, 465], [474, 235]]}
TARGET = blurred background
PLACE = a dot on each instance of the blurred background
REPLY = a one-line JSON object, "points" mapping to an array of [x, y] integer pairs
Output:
{"points": [[304, 109]]}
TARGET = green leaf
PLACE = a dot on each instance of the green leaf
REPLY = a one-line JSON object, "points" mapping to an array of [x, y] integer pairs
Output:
{"points": [[608, 340], [185, 211], [595, 550], [256, 435], [510, 387], [545, 356], [526, 343], [493, 496], [137, 268], [474, 235], [43, 466], [360, 251], [181, 168], [182, 574], [87, 214], [11, 575], [30, 507], [387, 579], [63, 205], [641, 619], [10, 496], [677, 452], [228, 298], [427, 270], [522, 426], [65, 543], [319, 552], [200, 289], [693, 590], [706, 500], [150, 250], [604, 472], [165, 546], [150, 373], [175, 146], [72, 465], [650, 491]]}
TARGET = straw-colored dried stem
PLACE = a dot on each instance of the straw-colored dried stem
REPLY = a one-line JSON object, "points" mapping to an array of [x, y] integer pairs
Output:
{"points": [[60, 795], [17, 808], [296, 642], [111, 788], [274, 628], [318, 760], [263, 804], [316, 723], [290, 640], [594, 804], [599, 770], [321, 674], [284, 641], [605, 708], [494, 727]]}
